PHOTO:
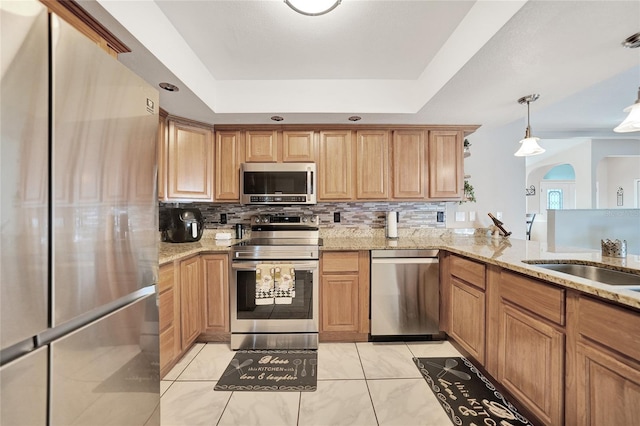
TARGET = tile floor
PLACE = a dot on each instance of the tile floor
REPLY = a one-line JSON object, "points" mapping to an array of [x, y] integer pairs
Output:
{"points": [[358, 384]]}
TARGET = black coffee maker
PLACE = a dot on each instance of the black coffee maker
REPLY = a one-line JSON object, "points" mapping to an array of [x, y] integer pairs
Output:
{"points": [[184, 225]]}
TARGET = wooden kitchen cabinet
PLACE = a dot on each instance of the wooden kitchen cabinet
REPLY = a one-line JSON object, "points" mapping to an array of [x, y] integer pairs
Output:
{"points": [[189, 172], [344, 296], [169, 317], [73, 13], [408, 165], [531, 344], [261, 146], [298, 146], [161, 152], [445, 164], [191, 300], [216, 284], [465, 292], [336, 166], [229, 154], [372, 164], [603, 380]]}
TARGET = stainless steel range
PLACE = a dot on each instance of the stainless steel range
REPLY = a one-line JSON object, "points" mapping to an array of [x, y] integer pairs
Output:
{"points": [[274, 284]]}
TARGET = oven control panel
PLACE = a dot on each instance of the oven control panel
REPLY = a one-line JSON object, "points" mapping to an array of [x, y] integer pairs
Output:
{"points": [[283, 220]]}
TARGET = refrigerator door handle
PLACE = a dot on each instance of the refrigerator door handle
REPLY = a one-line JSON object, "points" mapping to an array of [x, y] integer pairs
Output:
{"points": [[52, 334]]}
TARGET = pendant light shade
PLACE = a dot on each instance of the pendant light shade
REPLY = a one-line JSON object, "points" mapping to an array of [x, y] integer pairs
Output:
{"points": [[632, 122], [529, 145], [313, 7]]}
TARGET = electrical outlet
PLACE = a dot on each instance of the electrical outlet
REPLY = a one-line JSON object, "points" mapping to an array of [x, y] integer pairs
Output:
{"points": [[440, 217], [499, 215], [223, 218], [336, 217]]}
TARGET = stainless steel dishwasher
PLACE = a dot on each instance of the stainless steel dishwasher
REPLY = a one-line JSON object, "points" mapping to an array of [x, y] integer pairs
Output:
{"points": [[405, 293]]}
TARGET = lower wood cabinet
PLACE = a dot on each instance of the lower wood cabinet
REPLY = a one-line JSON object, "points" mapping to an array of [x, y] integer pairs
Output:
{"points": [[216, 285], [193, 305], [603, 381], [462, 311], [169, 321], [531, 345], [191, 300], [468, 317], [344, 294]]}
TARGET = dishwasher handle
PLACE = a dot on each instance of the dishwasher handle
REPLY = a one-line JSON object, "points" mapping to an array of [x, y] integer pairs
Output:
{"points": [[406, 260]]}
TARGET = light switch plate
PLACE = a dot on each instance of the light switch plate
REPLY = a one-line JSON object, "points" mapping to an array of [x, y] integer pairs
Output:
{"points": [[472, 216], [461, 216]]}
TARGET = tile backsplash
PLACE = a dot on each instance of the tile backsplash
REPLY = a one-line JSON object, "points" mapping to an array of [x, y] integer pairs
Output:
{"points": [[352, 215]]}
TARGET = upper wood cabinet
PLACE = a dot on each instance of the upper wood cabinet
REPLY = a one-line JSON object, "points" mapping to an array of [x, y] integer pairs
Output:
{"points": [[74, 14], [336, 164], [298, 146], [409, 165], [446, 171], [372, 164], [229, 154], [189, 161], [161, 153], [261, 146]]}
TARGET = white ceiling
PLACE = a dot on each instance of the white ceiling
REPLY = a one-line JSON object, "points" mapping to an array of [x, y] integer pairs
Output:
{"points": [[395, 61]]}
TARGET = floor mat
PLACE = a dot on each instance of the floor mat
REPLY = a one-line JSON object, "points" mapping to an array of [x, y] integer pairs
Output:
{"points": [[465, 394], [271, 370]]}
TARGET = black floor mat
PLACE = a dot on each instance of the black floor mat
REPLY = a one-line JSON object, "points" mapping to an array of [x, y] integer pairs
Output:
{"points": [[465, 394], [271, 370]]}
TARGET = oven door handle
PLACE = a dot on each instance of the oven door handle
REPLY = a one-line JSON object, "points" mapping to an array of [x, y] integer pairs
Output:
{"points": [[282, 256], [296, 265]]}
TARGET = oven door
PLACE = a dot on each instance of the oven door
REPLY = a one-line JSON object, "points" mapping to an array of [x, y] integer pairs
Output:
{"points": [[301, 316]]}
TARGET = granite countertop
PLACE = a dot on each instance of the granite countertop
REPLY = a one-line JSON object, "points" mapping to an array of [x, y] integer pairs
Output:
{"points": [[508, 253]]}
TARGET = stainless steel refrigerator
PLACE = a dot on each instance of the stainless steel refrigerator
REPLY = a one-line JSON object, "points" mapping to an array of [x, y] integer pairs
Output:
{"points": [[78, 215]]}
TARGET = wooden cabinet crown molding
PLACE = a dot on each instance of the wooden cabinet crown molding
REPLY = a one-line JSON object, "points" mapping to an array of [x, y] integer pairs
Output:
{"points": [[466, 128], [72, 12]]}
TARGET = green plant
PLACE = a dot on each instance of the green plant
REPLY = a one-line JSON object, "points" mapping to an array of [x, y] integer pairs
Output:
{"points": [[468, 193], [467, 144]]}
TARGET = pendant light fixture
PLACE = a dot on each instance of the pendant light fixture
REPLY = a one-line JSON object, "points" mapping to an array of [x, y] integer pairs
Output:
{"points": [[632, 122], [313, 7], [529, 145]]}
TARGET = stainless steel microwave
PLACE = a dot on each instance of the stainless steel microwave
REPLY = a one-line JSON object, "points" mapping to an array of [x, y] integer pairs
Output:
{"points": [[278, 183]]}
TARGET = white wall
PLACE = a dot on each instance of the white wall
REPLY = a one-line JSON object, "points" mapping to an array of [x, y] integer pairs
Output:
{"points": [[585, 228], [498, 178], [615, 172]]}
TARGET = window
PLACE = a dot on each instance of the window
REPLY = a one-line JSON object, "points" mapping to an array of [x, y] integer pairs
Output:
{"points": [[554, 199]]}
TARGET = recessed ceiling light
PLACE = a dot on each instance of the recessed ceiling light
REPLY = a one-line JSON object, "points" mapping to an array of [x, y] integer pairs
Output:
{"points": [[277, 118], [355, 118], [169, 87], [313, 7], [632, 41]]}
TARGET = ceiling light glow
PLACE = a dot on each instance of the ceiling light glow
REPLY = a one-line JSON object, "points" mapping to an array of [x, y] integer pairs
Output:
{"points": [[313, 7]]}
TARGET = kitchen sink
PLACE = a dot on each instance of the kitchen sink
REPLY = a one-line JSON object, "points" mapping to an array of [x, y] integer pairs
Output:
{"points": [[595, 273]]}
